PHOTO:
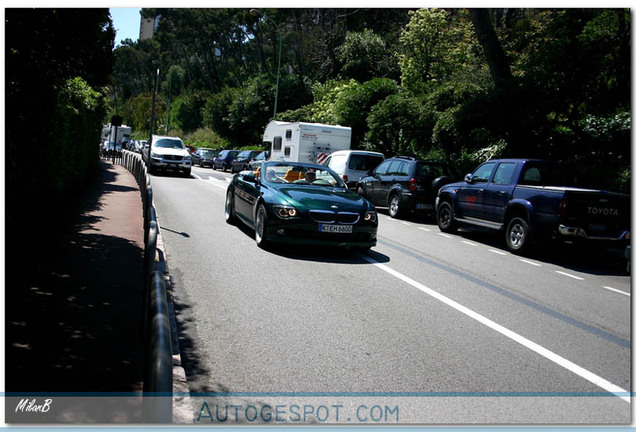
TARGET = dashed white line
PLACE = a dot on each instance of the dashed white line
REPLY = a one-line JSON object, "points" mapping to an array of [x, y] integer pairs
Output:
{"points": [[569, 275], [551, 356], [530, 262], [469, 243], [424, 229], [406, 223], [445, 235], [217, 183], [497, 252], [618, 291]]}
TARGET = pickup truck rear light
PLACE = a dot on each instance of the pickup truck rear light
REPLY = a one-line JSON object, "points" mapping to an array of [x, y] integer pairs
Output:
{"points": [[412, 184], [563, 206]]}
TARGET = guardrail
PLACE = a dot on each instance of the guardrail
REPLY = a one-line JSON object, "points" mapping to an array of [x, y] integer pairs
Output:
{"points": [[156, 321]]}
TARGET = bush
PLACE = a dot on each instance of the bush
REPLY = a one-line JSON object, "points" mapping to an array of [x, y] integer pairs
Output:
{"points": [[74, 151], [206, 137]]}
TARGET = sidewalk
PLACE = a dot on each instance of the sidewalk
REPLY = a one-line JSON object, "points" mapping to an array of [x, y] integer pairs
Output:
{"points": [[73, 313]]}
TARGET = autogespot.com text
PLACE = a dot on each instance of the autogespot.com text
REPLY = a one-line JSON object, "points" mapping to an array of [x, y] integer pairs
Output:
{"points": [[211, 412]]}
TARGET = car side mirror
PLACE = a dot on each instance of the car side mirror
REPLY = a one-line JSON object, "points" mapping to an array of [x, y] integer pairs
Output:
{"points": [[250, 178], [468, 178]]}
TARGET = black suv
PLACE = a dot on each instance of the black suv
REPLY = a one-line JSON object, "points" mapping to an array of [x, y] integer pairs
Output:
{"points": [[404, 184]]}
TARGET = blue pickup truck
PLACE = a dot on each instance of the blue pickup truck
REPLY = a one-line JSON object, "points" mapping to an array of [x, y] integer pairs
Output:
{"points": [[527, 200]]}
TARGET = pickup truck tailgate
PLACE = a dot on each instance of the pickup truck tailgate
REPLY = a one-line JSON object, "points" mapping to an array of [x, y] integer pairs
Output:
{"points": [[598, 214]]}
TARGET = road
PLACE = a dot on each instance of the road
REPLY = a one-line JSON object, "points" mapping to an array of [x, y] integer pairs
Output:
{"points": [[426, 328]]}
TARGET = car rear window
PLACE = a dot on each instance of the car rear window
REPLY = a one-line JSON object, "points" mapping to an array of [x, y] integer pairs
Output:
{"points": [[432, 170], [361, 162]]}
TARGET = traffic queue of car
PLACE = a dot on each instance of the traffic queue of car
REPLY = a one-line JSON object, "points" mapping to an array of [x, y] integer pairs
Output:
{"points": [[334, 203]]}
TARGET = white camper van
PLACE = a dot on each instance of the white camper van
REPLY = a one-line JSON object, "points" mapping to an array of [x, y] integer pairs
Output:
{"points": [[123, 133], [305, 142]]}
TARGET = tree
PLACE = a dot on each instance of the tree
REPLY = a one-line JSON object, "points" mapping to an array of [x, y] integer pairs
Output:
{"points": [[497, 62], [435, 46], [364, 56], [398, 125]]}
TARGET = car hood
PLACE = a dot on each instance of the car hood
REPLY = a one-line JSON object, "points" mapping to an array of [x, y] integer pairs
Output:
{"points": [[170, 151], [317, 198]]}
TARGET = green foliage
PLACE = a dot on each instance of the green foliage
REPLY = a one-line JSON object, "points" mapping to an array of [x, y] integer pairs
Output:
{"points": [[137, 112], [205, 137], [568, 97], [72, 151], [325, 96], [55, 59], [399, 125], [364, 56], [186, 111], [435, 46]]}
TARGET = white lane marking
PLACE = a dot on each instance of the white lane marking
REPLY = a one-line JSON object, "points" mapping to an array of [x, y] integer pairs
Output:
{"points": [[544, 352], [217, 183], [569, 275], [530, 262], [406, 223], [618, 291], [497, 252], [445, 235], [424, 229], [469, 243]]}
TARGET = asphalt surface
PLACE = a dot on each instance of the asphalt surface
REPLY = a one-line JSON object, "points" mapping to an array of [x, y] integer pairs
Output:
{"points": [[423, 313]]}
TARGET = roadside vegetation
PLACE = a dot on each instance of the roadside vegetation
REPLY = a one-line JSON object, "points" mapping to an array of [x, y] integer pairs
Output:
{"points": [[460, 85], [456, 84]]}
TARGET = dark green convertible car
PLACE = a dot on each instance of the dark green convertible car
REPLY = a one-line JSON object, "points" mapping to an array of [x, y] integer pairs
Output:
{"points": [[287, 202]]}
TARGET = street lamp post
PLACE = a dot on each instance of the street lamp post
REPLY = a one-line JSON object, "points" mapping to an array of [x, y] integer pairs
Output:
{"points": [[152, 114], [258, 13]]}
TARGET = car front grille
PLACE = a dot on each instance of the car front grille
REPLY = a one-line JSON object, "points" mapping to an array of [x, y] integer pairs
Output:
{"points": [[325, 216], [172, 157]]}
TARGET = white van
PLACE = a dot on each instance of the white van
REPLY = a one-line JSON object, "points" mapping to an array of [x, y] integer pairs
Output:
{"points": [[352, 165]]}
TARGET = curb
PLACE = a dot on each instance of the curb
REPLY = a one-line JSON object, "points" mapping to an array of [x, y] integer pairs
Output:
{"points": [[182, 412]]}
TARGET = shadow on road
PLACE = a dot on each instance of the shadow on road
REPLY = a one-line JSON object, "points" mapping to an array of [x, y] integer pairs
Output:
{"points": [[73, 321]]}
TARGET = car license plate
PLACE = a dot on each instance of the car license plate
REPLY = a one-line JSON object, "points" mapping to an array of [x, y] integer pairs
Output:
{"points": [[340, 229], [424, 206], [598, 227]]}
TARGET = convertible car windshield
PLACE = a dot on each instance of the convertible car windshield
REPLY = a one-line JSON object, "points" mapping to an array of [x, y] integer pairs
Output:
{"points": [[299, 175]]}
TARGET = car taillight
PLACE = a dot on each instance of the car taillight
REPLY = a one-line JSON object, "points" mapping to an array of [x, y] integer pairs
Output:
{"points": [[412, 184], [345, 178], [563, 205]]}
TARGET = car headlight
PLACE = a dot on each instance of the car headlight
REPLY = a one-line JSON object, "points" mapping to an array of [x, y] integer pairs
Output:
{"points": [[187, 158], [285, 212], [155, 155], [371, 216]]}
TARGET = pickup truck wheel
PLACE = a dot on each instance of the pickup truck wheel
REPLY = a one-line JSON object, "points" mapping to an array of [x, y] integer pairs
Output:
{"points": [[395, 206], [446, 218], [518, 235]]}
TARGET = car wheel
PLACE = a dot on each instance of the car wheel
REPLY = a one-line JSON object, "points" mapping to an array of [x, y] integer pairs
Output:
{"points": [[518, 236], [395, 206], [446, 218], [230, 216], [260, 227]]}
